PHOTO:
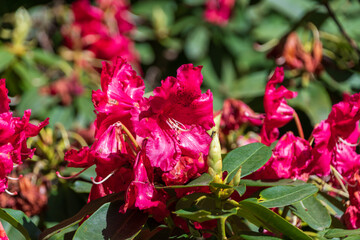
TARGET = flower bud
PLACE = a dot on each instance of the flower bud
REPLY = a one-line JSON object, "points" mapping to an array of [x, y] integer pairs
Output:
{"points": [[214, 159]]}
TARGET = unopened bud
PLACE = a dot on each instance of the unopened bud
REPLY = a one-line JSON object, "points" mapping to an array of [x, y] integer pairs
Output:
{"points": [[214, 159]]}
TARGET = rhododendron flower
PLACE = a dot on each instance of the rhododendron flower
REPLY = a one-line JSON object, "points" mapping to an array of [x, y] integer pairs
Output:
{"points": [[98, 32], [291, 158], [141, 192], [277, 112], [351, 216], [185, 169], [336, 138], [177, 119], [14, 132], [120, 98], [292, 53], [235, 113], [218, 11]]}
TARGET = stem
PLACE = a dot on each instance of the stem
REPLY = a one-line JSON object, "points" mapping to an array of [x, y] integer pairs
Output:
{"points": [[340, 27], [221, 225], [298, 125], [285, 212], [327, 188]]}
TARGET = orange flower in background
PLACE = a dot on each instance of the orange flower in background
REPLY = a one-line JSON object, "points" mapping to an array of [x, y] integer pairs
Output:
{"points": [[292, 53]]}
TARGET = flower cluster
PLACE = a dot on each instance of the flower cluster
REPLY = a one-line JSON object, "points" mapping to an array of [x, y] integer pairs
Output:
{"points": [[330, 149], [141, 141], [101, 29], [14, 133]]}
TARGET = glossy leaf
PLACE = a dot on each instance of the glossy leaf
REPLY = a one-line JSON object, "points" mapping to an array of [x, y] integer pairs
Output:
{"points": [[203, 215], [282, 182], [13, 224], [311, 211], [250, 158], [263, 217], [280, 196], [89, 208], [340, 233], [108, 223]]}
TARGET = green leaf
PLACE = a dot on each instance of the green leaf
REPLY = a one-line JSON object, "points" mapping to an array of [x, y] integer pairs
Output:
{"points": [[203, 215], [256, 236], [339, 233], [280, 196], [108, 223], [81, 186], [241, 189], [314, 101], [188, 200], [196, 43], [15, 221], [6, 58], [282, 182], [39, 104], [252, 85], [263, 217], [311, 211], [88, 209], [250, 158], [203, 180]]}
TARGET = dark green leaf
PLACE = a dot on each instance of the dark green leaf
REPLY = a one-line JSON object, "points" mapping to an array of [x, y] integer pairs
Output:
{"points": [[280, 196], [203, 215], [240, 189], [282, 182], [256, 236], [250, 158], [252, 85], [339, 233], [88, 209], [16, 222], [108, 223], [311, 211], [263, 217]]}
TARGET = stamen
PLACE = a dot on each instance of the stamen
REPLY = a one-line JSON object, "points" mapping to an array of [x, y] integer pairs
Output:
{"points": [[71, 177], [13, 178], [102, 181], [10, 193], [347, 143], [176, 125]]}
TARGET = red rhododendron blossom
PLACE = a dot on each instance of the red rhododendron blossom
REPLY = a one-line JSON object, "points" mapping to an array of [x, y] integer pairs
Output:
{"points": [[291, 158], [185, 169], [336, 138], [102, 30], [277, 112], [14, 132], [121, 95], [177, 119], [235, 113], [141, 192], [218, 11], [351, 216]]}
